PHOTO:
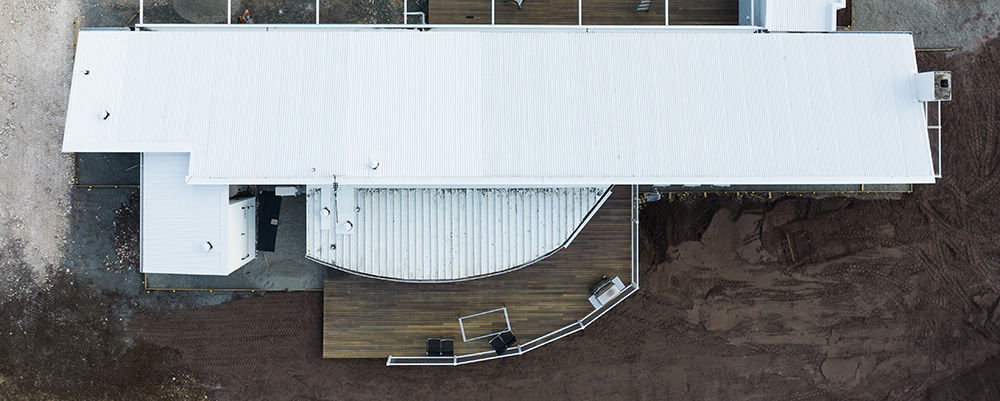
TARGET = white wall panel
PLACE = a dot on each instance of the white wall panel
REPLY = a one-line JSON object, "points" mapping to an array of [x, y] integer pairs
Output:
{"points": [[446, 234]]}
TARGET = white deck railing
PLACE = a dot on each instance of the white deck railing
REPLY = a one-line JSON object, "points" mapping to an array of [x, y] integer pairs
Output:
{"points": [[547, 338], [937, 128], [407, 13]]}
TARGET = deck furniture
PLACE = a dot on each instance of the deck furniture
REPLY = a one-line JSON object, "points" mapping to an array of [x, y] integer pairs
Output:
{"points": [[502, 341], [518, 2], [448, 347], [434, 347], [605, 291], [463, 320]]}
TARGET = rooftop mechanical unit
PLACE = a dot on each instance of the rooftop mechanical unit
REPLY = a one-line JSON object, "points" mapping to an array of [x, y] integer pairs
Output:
{"points": [[934, 86]]}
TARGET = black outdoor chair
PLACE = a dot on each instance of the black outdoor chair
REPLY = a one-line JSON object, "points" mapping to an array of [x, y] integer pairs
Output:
{"points": [[502, 341], [434, 347], [498, 345], [448, 347]]}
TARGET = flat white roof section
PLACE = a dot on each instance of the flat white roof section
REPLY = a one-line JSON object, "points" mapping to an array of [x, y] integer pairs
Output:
{"points": [[436, 235], [802, 15], [447, 108], [178, 220]]}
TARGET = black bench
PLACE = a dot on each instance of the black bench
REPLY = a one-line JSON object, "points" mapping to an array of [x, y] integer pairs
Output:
{"points": [[439, 347]]}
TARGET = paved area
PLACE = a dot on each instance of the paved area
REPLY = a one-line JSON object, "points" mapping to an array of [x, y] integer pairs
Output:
{"points": [[106, 169]]}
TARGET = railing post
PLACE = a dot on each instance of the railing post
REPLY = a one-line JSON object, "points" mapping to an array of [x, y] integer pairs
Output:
{"points": [[940, 166], [666, 12]]}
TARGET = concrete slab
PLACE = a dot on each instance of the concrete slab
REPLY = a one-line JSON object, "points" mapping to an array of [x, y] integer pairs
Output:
{"points": [[106, 169]]}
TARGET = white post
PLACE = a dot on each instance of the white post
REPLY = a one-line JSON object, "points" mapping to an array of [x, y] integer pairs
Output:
{"points": [[493, 12], [666, 12], [142, 8], [406, 9], [229, 12], [753, 18], [317, 10], [940, 166], [579, 12]]}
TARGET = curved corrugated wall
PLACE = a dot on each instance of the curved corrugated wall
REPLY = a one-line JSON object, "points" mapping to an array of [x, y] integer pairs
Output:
{"points": [[438, 234]]}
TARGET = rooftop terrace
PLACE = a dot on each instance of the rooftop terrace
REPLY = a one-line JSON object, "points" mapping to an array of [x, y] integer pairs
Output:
{"points": [[368, 318]]}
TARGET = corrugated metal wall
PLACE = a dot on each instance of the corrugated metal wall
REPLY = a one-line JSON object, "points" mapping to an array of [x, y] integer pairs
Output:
{"points": [[447, 234]]}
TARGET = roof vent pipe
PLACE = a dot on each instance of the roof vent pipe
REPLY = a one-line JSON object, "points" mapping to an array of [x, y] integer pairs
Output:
{"points": [[373, 164]]}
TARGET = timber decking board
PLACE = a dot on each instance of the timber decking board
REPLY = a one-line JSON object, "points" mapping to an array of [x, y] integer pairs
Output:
{"points": [[704, 12], [595, 12], [369, 318]]}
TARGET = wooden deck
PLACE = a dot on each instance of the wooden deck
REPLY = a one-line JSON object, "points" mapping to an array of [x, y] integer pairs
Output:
{"points": [[595, 12], [368, 318]]}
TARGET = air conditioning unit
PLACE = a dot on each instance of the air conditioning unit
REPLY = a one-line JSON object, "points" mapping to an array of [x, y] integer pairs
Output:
{"points": [[934, 86]]}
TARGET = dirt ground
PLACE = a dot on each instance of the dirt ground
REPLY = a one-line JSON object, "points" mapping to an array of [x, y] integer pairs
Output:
{"points": [[742, 298], [34, 173], [793, 299], [960, 24]]}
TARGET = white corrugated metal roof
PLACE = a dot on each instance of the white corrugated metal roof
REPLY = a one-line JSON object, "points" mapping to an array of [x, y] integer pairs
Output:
{"points": [[802, 15], [443, 234], [178, 219], [498, 108]]}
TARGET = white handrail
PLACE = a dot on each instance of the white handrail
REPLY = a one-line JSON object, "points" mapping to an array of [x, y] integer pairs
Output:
{"points": [[574, 327], [469, 27]]}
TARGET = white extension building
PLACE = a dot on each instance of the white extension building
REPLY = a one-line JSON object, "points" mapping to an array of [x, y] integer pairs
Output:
{"points": [[452, 153]]}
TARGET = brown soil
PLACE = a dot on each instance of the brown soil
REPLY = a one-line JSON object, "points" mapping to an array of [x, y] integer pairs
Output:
{"points": [[62, 340], [791, 299]]}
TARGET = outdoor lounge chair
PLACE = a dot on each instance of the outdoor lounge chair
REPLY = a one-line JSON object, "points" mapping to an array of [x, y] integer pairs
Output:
{"points": [[434, 347], [518, 2], [605, 291], [448, 347], [503, 341]]}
